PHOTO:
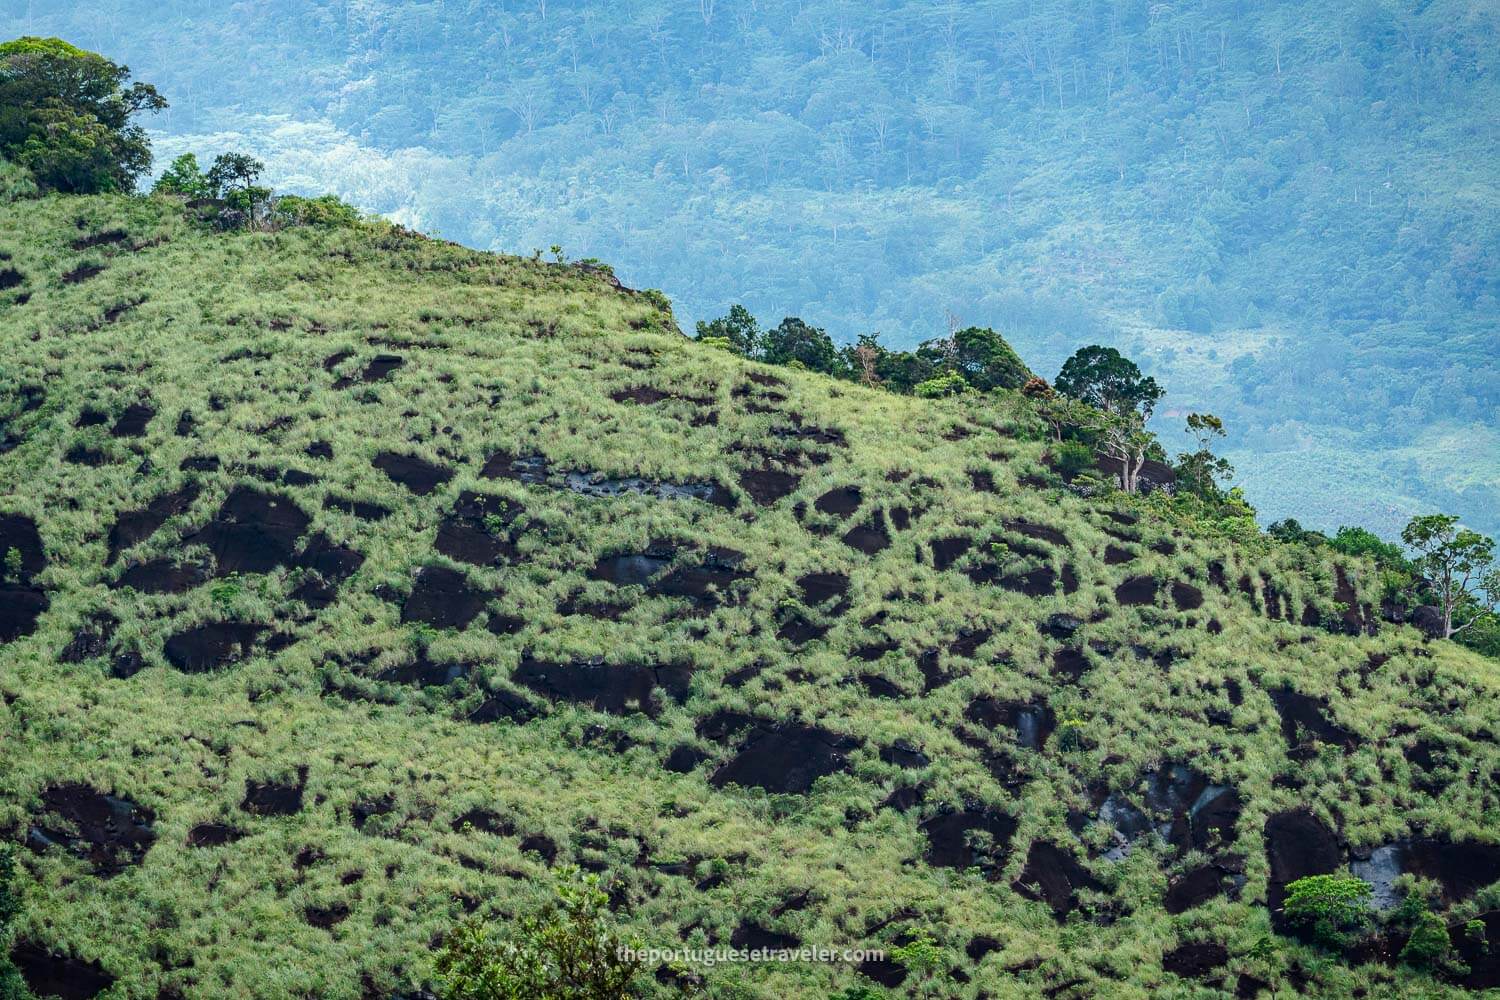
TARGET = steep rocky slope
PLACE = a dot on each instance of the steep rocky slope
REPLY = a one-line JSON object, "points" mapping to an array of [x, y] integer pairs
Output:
{"points": [[358, 578]]}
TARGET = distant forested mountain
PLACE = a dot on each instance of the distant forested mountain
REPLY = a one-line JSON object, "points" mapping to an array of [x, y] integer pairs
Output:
{"points": [[1287, 211]]}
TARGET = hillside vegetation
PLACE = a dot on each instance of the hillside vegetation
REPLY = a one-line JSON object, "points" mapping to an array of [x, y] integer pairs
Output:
{"points": [[1287, 212], [359, 578]]}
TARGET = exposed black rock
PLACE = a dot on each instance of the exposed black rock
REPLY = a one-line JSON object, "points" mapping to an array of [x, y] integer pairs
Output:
{"points": [[1031, 723], [209, 647], [381, 366], [947, 551], [1298, 844], [766, 486], [1198, 886], [684, 758], [1053, 876], [1041, 532], [108, 831], [616, 689], [162, 576], [275, 798], [92, 639], [213, 835], [1136, 590], [841, 501], [443, 598], [974, 837], [477, 530], [869, 537], [133, 421], [785, 758], [1195, 961], [253, 532], [1303, 714], [416, 474], [50, 974], [132, 527], [821, 588], [20, 607], [361, 509], [1186, 596]]}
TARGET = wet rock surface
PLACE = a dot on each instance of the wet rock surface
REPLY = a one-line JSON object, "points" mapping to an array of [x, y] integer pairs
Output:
{"points": [[1298, 844]]}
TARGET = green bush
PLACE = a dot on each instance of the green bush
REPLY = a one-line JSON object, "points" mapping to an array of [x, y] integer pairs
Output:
{"points": [[1332, 907], [951, 384], [11, 987], [16, 182], [1071, 458], [326, 210], [1429, 943], [568, 951]]}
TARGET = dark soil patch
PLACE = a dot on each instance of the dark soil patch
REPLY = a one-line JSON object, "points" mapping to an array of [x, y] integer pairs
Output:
{"points": [[644, 395], [785, 758], [90, 417], [541, 845], [1031, 723], [1186, 596], [380, 367], [484, 821], [133, 421], [974, 837], [616, 689], [1482, 956], [1298, 844], [108, 831], [334, 360], [968, 641], [209, 647], [1301, 714], [423, 672], [275, 798], [253, 532], [443, 598], [10, 278], [840, 501], [904, 755], [1195, 961], [362, 509], [1136, 591], [869, 538], [476, 531], [319, 449], [706, 584], [416, 474], [48, 974], [502, 705], [213, 835], [327, 565], [81, 454], [1116, 556], [1197, 887], [162, 576], [81, 273], [983, 480], [766, 486], [1053, 876], [947, 551], [1356, 617]]}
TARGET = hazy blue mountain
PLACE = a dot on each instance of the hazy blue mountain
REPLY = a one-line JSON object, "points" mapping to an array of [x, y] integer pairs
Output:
{"points": [[1289, 212]]}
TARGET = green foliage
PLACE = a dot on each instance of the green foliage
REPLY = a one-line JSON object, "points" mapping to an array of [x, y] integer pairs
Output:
{"points": [[1202, 472], [184, 178], [1332, 907], [793, 340], [567, 951], [16, 182], [738, 329], [11, 986], [1108, 381], [983, 357], [925, 962], [1461, 565], [325, 210], [12, 564], [1070, 458], [951, 384], [1428, 944], [232, 172], [66, 116]]}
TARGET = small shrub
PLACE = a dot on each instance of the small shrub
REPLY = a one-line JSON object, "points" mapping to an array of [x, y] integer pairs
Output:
{"points": [[568, 951], [1071, 458], [1332, 907], [1429, 943], [951, 384]]}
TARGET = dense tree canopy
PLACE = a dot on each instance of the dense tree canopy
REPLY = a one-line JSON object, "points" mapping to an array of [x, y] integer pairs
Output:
{"points": [[67, 116]]}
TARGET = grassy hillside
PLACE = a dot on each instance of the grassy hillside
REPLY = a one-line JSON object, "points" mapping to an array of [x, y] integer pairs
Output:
{"points": [[361, 577]]}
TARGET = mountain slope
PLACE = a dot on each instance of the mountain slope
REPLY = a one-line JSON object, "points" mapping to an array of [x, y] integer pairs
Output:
{"points": [[359, 577]]}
